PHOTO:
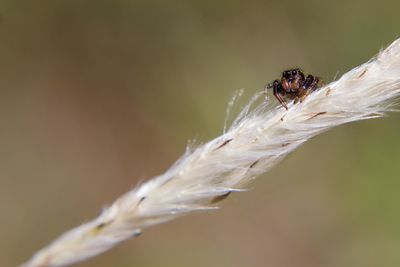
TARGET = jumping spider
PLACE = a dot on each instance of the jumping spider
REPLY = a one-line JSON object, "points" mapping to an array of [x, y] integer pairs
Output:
{"points": [[293, 85]]}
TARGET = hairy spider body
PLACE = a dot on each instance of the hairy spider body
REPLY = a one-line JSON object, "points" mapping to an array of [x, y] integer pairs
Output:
{"points": [[293, 85]]}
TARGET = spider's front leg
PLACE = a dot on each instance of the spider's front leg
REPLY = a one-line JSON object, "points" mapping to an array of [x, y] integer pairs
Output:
{"points": [[266, 87], [279, 93]]}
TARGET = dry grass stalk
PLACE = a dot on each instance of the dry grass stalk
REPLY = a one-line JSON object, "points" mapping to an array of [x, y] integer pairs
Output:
{"points": [[256, 141]]}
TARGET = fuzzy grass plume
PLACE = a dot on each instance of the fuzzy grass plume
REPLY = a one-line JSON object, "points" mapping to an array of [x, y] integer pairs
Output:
{"points": [[261, 135]]}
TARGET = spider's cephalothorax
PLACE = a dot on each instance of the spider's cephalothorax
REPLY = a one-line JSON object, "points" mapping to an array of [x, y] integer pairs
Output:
{"points": [[293, 85]]}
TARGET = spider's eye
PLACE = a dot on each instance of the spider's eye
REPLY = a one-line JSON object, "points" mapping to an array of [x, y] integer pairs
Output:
{"points": [[294, 72]]}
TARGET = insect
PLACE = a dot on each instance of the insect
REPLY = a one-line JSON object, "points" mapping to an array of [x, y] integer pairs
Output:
{"points": [[293, 85]]}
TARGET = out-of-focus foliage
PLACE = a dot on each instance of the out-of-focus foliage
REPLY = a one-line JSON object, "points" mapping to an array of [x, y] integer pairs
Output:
{"points": [[96, 96]]}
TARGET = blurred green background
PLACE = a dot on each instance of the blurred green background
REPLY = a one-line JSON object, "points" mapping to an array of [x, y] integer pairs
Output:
{"points": [[98, 95]]}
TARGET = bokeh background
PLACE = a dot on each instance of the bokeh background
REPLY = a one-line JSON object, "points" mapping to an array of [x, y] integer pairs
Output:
{"points": [[96, 96]]}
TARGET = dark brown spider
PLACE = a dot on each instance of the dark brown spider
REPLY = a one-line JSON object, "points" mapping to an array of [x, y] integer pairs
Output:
{"points": [[293, 85]]}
